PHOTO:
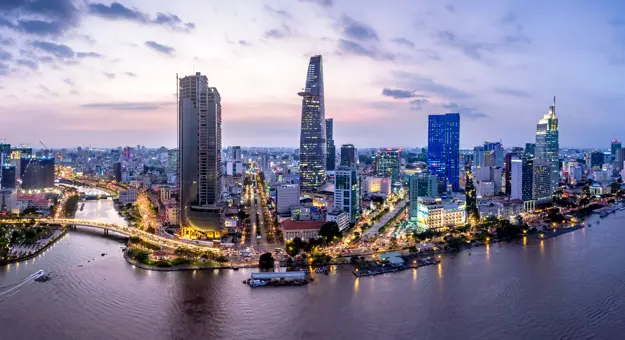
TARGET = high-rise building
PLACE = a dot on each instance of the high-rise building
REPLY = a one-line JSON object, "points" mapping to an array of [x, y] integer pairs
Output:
{"points": [[419, 185], [331, 148], [37, 173], [597, 159], [516, 178], [200, 166], [542, 189], [347, 192], [172, 160], [349, 155], [264, 162], [548, 145], [614, 147], [478, 156], [530, 150], [312, 151], [619, 159], [117, 170], [9, 177], [387, 163], [495, 152], [236, 153], [5, 152], [527, 181], [287, 195], [444, 149]]}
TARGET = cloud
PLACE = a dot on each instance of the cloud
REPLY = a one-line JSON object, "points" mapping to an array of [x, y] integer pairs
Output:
{"points": [[48, 91], [58, 50], [400, 94], [28, 63], [322, 3], [129, 106], [404, 42], [244, 43], [465, 111], [347, 47], [356, 30], [39, 17], [450, 8], [130, 74], [279, 33], [511, 92], [6, 41], [160, 48], [88, 55], [427, 85], [117, 11], [417, 104], [471, 49], [109, 75], [68, 81], [279, 12], [5, 56], [4, 69], [74, 92]]}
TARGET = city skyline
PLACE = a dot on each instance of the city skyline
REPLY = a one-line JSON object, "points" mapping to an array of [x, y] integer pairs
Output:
{"points": [[91, 88]]}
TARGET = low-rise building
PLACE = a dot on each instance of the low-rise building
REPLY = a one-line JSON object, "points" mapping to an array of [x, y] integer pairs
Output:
{"points": [[171, 214], [129, 195], [305, 230], [598, 189], [340, 217], [435, 213]]}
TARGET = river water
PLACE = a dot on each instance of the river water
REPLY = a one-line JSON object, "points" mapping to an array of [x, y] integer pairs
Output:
{"points": [[569, 287]]}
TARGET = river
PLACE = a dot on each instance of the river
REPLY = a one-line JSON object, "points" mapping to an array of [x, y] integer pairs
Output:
{"points": [[568, 287]]}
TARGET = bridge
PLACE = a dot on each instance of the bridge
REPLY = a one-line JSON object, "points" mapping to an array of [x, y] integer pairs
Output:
{"points": [[122, 229]]}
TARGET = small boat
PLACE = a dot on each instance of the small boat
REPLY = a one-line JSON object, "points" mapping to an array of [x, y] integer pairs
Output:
{"points": [[235, 268], [102, 254], [257, 283]]}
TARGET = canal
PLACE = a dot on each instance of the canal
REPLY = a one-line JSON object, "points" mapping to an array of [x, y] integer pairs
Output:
{"points": [[568, 287]]}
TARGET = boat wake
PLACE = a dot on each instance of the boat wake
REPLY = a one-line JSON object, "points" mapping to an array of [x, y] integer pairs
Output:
{"points": [[12, 289]]}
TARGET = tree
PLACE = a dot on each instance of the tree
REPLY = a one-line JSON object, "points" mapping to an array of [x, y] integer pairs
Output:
{"points": [[329, 231], [222, 259], [150, 230], [266, 261]]}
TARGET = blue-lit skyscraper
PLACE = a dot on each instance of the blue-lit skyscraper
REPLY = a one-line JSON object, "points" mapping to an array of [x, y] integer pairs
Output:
{"points": [[444, 148], [312, 150]]}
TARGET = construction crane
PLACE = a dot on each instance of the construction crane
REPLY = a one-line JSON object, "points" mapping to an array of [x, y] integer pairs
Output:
{"points": [[44, 146]]}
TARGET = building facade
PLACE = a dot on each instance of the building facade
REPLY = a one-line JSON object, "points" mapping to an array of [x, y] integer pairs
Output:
{"points": [[516, 178], [548, 145], [331, 148], [387, 163], [37, 173], [347, 192], [287, 195], [199, 158], [349, 156], [420, 185], [341, 218], [542, 189], [434, 213], [313, 147], [444, 149]]}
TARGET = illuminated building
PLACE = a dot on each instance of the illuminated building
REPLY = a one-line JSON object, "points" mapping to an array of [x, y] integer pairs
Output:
{"points": [[548, 145], [347, 192], [5, 152], [312, 151], [9, 177], [444, 149], [117, 170], [493, 154], [331, 148], [542, 189], [527, 181], [436, 213], [349, 155], [387, 163], [516, 178], [341, 218], [200, 166], [615, 146], [287, 195], [421, 184], [595, 159], [37, 173]]}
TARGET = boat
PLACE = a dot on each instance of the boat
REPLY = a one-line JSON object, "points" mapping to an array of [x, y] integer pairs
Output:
{"points": [[257, 283], [234, 268]]}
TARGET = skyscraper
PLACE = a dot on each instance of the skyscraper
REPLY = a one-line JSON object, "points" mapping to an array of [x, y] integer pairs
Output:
{"points": [[117, 171], [542, 189], [200, 168], [527, 180], [312, 150], [420, 185], [547, 143], [496, 151], [347, 192], [444, 148], [614, 147], [37, 173], [516, 178], [331, 148], [348, 155], [387, 163]]}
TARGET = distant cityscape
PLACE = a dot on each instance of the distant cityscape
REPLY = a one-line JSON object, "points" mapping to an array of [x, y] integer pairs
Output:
{"points": [[199, 188]]}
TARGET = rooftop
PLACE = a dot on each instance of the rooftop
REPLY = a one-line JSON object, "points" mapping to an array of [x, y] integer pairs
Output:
{"points": [[290, 225]]}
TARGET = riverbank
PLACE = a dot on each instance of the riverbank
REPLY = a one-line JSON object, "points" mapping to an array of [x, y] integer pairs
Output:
{"points": [[39, 250], [180, 268]]}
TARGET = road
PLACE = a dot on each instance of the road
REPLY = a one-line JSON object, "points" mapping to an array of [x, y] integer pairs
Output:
{"points": [[387, 217]]}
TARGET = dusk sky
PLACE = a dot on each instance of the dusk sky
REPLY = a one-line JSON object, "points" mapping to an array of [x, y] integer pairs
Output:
{"points": [[103, 73]]}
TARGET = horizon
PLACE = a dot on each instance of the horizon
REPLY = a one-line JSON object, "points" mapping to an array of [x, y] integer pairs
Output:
{"points": [[497, 64]]}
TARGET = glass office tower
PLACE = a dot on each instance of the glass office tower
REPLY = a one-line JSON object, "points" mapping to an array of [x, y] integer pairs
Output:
{"points": [[444, 149]]}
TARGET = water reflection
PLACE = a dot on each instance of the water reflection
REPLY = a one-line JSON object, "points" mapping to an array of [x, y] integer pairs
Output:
{"points": [[356, 284]]}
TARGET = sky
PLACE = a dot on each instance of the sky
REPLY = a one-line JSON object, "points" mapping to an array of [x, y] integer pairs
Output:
{"points": [[104, 73]]}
